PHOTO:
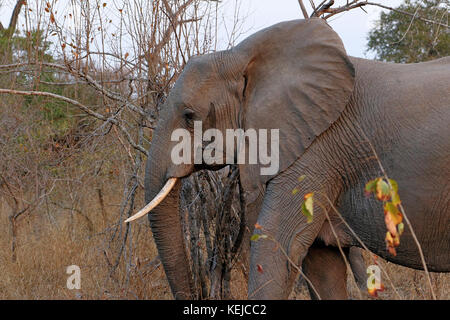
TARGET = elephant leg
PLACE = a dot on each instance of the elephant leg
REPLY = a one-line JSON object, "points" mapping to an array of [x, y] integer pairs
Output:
{"points": [[251, 215], [274, 261], [325, 268], [358, 266]]}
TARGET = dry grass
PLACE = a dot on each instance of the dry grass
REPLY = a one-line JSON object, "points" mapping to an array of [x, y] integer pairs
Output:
{"points": [[47, 245], [411, 284]]}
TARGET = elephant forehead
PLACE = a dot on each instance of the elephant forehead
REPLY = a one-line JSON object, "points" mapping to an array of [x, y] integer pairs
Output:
{"points": [[199, 68], [197, 79]]}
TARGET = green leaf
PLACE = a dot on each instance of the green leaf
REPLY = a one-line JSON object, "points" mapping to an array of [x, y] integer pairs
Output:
{"points": [[401, 228], [301, 178], [382, 190], [256, 237], [295, 191], [395, 198], [394, 185], [370, 187], [389, 207], [307, 207]]}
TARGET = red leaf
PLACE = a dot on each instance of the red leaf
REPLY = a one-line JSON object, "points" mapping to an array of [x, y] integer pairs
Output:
{"points": [[392, 251], [260, 268], [374, 292]]}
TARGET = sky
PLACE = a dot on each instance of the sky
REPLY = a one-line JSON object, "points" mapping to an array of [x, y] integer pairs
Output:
{"points": [[352, 26]]}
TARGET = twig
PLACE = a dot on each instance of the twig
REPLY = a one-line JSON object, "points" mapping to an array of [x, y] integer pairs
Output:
{"points": [[302, 6], [361, 243], [409, 27], [326, 8], [339, 245], [56, 96], [82, 107], [322, 8], [292, 263], [88, 79], [259, 288]]}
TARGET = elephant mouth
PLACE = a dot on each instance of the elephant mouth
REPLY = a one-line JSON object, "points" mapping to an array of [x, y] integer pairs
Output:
{"points": [[162, 194], [213, 167]]}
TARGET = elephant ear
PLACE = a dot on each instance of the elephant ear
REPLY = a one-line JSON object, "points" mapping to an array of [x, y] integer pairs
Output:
{"points": [[298, 80]]}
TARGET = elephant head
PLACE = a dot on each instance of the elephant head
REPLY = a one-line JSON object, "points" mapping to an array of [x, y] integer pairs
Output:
{"points": [[294, 76]]}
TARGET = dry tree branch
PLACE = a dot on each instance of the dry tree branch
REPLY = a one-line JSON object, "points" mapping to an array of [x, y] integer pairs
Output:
{"points": [[57, 96], [86, 109], [174, 26], [112, 95], [88, 79], [113, 56], [302, 7], [327, 11], [71, 83], [322, 8]]}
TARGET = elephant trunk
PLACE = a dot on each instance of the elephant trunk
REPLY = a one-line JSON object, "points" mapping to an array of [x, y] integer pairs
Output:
{"points": [[165, 222]]}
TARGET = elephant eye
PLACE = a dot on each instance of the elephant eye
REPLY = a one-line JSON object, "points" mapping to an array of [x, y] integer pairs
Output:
{"points": [[188, 114]]}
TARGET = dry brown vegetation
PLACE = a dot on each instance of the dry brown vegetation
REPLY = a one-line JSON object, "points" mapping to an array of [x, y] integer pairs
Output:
{"points": [[72, 170], [82, 86]]}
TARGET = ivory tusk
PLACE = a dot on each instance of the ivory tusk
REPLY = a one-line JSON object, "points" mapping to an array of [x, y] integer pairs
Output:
{"points": [[157, 200]]}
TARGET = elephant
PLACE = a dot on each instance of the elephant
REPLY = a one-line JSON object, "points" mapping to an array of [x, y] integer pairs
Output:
{"points": [[342, 121]]}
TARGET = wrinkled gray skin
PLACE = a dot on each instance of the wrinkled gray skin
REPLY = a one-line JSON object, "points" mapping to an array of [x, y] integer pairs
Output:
{"points": [[296, 76], [323, 265]]}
